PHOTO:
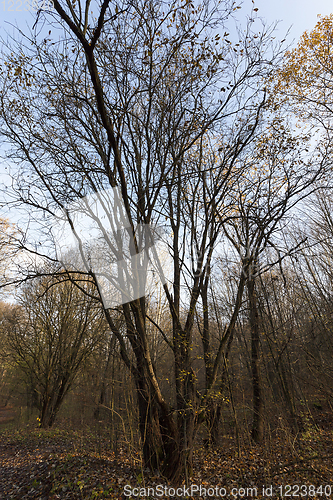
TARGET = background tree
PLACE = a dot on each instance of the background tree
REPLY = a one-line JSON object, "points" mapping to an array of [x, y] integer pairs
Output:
{"points": [[49, 336], [305, 79], [277, 178], [313, 269], [8, 248]]}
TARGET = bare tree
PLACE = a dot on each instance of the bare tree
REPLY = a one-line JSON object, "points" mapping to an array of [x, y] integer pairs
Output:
{"points": [[279, 176], [49, 336], [134, 102], [313, 270]]}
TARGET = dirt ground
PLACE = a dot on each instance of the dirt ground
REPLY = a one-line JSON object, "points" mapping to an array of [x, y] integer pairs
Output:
{"points": [[67, 464]]}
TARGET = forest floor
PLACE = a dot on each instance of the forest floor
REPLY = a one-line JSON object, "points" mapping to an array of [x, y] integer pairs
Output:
{"points": [[64, 464]]}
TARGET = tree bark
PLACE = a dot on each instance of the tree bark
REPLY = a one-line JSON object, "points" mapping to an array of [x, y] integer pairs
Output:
{"points": [[258, 421]]}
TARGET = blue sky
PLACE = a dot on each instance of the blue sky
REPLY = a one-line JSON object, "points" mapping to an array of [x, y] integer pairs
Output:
{"points": [[301, 14]]}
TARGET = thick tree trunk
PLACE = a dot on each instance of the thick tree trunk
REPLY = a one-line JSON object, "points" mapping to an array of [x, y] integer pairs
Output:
{"points": [[178, 461], [258, 408], [167, 436], [48, 412], [179, 427], [167, 443], [149, 425], [51, 402], [157, 426]]}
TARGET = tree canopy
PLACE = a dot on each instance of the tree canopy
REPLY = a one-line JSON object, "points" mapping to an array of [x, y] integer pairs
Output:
{"points": [[306, 75]]}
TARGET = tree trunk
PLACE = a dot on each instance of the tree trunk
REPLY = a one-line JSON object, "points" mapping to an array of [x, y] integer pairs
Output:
{"points": [[178, 461], [214, 408], [102, 394], [166, 443], [48, 413], [213, 415], [52, 401], [149, 426], [258, 421]]}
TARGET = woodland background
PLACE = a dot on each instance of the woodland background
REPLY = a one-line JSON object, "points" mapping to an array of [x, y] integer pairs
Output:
{"points": [[219, 133]]}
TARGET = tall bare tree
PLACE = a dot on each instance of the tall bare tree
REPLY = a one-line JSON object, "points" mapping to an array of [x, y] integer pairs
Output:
{"points": [[134, 100]]}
